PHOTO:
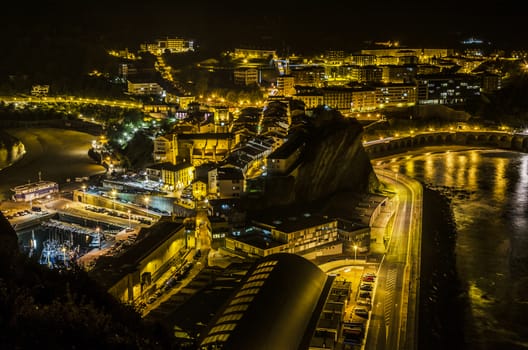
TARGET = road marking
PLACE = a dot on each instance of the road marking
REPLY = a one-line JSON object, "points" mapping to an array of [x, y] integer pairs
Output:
{"points": [[390, 285]]}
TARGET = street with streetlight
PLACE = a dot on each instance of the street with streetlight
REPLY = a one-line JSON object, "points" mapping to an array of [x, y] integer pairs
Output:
{"points": [[147, 203], [129, 225], [114, 195], [98, 236], [355, 252]]}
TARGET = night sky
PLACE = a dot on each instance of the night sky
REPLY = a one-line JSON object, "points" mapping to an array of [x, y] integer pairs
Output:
{"points": [[299, 25]]}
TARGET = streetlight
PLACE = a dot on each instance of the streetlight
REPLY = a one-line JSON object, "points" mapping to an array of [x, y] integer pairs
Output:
{"points": [[113, 197], [147, 203], [84, 193], [355, 252], [98, 236], [129, 225]]}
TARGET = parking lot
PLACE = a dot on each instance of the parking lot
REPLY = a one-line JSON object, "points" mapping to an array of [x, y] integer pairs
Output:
{"points": [[357, 312]]}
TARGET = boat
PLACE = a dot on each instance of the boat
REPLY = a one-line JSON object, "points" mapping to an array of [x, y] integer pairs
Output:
{"points": [[56, 254]]}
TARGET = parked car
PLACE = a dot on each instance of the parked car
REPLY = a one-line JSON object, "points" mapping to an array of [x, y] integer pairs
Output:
{"points": [[366, 286], [361, 312], [364, 302], [365, 294], [368, 278]]}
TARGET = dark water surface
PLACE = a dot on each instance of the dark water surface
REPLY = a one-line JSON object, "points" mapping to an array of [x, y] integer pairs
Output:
{"points": [[57, 154], [488, 192]]}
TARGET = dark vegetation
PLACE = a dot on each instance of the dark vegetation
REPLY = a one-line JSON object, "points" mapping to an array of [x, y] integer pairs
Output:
{"points": [[42, 308]]}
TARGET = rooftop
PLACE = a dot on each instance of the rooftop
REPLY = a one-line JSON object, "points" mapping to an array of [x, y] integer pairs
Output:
{"points": [[275, 307], [110, 269], [259, 240], [293, 222]]}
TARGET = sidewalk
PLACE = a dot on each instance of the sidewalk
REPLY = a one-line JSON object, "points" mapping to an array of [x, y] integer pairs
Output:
{"points": [[381, 229]]}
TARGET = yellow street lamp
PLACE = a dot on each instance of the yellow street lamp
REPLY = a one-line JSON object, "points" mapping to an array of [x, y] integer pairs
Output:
{"points": [[114, 195], [147, 199], [84, 193], [97, 231], [355, 252]]}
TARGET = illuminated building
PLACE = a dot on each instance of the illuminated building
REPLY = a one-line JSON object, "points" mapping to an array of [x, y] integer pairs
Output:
{"points": [[339, 98], [132, 275], [307, 235], [424, 55], [399, 74], [285, 85], [172, 176], [253, 153], [226, 182], [143, 85], [363, 99], [308, 75], [199, 189], [40, 90], [171, 44], [362, 60], [284, 159], [334, 57], [222, 119], [246, 76], [491, 82], [396, 95], [164, 150], [254, 53], [196, 148], [311, 98], [448, 89]]}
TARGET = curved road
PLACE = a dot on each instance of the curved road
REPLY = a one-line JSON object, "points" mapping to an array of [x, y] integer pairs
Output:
{"points": [[58, 154], [393, 321]]}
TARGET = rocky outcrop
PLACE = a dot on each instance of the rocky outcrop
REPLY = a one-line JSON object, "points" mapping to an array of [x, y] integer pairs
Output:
{"points": [[11, 149], [333, 161]]}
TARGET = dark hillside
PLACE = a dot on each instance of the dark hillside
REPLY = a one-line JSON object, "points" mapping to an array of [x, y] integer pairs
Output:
{"points": [[45, 309]]}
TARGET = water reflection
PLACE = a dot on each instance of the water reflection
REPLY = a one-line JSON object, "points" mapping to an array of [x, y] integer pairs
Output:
{"points": [[489, 191]]}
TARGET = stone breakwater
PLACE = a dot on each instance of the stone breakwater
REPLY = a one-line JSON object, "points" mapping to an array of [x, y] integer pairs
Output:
{"points": [[443, 298]]}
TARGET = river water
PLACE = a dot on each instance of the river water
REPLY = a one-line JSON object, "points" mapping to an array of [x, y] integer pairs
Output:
{"points": [[489, 203], [57, 154]]}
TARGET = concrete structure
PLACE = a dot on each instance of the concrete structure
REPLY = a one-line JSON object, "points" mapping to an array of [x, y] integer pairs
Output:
{"points": [[276, 306], [307, 235], [133, 274], [498, 139]]}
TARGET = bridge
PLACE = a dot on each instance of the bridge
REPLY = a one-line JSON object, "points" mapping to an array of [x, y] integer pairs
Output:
{"points": [[479, 138]]}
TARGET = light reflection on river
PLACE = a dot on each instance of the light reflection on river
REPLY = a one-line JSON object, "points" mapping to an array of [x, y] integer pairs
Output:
{"points": [[57, 154], [489, 190]]}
